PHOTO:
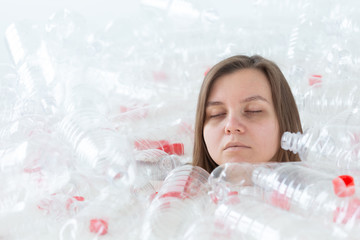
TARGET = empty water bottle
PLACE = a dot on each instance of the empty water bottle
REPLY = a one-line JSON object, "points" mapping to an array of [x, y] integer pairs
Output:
{"points": [[253, 219], [329, 99], [308, 192], [98, 147], [290, 186], [180, 199], [335, 143]]}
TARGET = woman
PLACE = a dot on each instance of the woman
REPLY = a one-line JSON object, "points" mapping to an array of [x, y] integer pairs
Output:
{"points": [[244, 106]]}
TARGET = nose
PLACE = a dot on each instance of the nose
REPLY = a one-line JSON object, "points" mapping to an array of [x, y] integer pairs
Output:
{"points": [[234, 125]]}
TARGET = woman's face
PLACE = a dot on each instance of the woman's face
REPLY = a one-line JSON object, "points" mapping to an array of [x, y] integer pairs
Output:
{"points": [[240, 123]]}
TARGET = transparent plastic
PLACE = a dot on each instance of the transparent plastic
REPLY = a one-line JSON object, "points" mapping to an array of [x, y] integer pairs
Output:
{"points": [[209, 228], [334, 143], [96, 124], [98, 147], [328, 99], [179, 200], [154, 165], [33, 64], [253, 219], [310, 193], [293, 187]]}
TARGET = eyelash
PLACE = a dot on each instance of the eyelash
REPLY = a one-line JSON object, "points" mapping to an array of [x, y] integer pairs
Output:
{"points": [[217, 115], [248, 112], [253, 112]]}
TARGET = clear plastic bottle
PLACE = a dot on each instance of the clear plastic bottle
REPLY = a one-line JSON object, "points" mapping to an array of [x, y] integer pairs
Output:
{"points": [[154, 165], [9, 94], [309, 192], [293, 187], [253, 219], [33, 64], [335, 143], [209, 228], [180, 200], [328, 99], [106, 215], [318, 147], [97, 146], [308, 195]]}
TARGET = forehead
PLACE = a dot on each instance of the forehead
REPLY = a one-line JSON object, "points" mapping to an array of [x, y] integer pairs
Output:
{"points": [[241, 84]]}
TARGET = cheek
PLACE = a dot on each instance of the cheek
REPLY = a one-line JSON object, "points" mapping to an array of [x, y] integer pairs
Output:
{"points": [[210, 137], [268, 135], [207, 135]]}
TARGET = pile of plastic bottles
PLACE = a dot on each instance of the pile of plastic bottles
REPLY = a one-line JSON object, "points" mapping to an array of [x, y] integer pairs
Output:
{"points": [[96, 126]]}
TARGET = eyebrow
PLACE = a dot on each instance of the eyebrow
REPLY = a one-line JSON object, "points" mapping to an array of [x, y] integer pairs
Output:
{"points": [[248, 99]]}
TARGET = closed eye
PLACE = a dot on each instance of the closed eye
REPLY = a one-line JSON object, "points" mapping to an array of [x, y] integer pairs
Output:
{"points": [[253, 112], [217, 115]]}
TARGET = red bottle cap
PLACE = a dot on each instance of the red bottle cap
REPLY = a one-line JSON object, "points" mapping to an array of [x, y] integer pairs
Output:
{"points": [[144, 144], [70, 201], [315, 80], [98, 226], [164, 145], [233, 193], [344, 186], [175, 148]]}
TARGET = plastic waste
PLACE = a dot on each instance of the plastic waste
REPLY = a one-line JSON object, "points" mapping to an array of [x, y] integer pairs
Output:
{"points": [[293, 187], [180, 198]]}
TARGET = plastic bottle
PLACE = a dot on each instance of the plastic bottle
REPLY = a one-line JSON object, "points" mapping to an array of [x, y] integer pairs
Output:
{"points": [[97, 146], [336, 142], [34, 66], [312, 195], [85, 97], [13, 195], [111, 212], [290, 186], [309, 193], [209, 228], [253, 219], [153, 165], [328, 99], [318, 147], [180, 199], [231, 179], [10, 96]]}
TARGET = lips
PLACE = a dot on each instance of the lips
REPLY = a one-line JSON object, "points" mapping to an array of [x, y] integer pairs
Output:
{"points": [[235, 145]]}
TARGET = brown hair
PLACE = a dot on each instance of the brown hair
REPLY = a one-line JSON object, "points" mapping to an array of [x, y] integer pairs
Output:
{"points": [[284, 104]]}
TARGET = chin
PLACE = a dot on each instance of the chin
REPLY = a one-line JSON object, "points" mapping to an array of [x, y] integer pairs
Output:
{"points": [[237, 160]]}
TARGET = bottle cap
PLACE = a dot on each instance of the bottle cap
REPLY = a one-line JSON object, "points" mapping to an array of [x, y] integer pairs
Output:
{"points": [[175, 148], [164, 145], [70, 201], [315, 80], [144, 144], [98, 226], [344, 186]]}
